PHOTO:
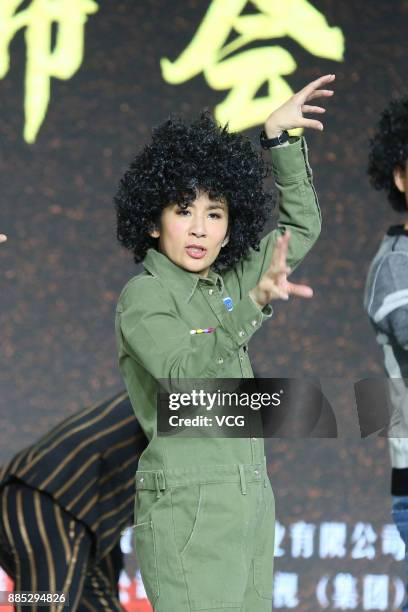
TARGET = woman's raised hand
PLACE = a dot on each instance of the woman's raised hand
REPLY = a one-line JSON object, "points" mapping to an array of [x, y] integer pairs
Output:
{"points": [[290, 115]]}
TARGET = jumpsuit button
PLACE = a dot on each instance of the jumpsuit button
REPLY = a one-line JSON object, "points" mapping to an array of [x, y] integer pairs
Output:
{"points": [[241, 333], [254, 323], [141, 479], [220, 360], [241, 358], [256, 472], [210, 291], [253, 439]]}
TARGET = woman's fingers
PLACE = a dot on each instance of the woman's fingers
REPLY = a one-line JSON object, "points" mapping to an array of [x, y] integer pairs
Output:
{"points": [[289, 115], [311, 123], [320, 93], [283, 290], [276, 273], [300, 290], [283, 252], [275, 256], [277, 285], [3, 238], [312, 109], [278, 259], [278, 293], [314, 85]]}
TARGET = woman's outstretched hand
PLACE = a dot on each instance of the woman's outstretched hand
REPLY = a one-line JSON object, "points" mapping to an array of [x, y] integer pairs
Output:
{"points": [[3, 238], [274, 284], [290, 115]]}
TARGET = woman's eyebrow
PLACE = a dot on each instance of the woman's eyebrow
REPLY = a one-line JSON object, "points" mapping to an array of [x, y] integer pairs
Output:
{"points": [[216, 205], [210, 206]]}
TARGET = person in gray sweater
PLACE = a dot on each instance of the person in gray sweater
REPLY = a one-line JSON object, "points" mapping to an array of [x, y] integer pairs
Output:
{"points": [[386, 294]]}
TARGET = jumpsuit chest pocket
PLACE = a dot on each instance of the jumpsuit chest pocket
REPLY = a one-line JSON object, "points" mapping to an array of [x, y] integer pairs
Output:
{"points": [[200, 343]]}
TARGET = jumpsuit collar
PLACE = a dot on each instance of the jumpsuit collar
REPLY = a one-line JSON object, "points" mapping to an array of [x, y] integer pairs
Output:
{"points": [[185, 282]]}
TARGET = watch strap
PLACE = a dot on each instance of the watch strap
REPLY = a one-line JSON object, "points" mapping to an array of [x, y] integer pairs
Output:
{"points": [[268, 143]]}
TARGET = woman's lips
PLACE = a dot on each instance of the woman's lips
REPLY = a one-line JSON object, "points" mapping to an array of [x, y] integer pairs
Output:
{"points": [[196, 252]]}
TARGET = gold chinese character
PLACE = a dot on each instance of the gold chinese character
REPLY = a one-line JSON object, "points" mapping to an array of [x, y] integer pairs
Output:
{"points": [[44, 60], [245, 73]]}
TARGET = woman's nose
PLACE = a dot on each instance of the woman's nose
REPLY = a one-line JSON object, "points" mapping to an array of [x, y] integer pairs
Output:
{"points": [[198, 227]]}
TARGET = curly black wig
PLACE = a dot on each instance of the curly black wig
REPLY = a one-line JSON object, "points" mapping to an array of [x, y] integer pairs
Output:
{"points": [[389, 150], [182, 160]]}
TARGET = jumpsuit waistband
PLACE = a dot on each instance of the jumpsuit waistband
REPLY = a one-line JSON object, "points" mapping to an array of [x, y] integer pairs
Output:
{"points": [[159, 480]]}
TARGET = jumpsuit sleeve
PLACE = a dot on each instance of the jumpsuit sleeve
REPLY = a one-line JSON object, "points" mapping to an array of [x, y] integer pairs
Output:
{"points": [[299, 211], [150, 329]]}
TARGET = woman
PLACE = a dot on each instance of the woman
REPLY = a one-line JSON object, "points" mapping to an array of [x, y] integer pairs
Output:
{"points": [[191, 208]]}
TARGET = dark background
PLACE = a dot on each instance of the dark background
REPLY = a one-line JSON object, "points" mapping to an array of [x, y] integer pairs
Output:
{"points": [[62, 269]]}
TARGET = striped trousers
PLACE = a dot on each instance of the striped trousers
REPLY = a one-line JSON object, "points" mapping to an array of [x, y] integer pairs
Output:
{"points": [[43, 548]]}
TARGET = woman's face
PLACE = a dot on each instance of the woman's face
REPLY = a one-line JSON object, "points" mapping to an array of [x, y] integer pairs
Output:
{"points": [[193, 237]]}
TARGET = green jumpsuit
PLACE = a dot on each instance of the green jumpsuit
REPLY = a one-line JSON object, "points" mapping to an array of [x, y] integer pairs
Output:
{"points": [[204, 509]]}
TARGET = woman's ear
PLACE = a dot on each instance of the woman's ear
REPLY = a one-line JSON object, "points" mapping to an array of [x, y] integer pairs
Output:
{"points": [[154, 233], [400, 179], [225, 241]]}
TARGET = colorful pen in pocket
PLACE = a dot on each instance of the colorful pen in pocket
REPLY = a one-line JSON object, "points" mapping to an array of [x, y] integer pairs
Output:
{"points": [[207, 330]]}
